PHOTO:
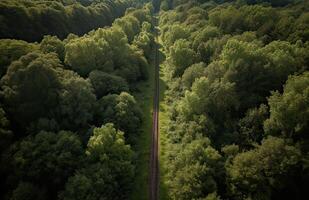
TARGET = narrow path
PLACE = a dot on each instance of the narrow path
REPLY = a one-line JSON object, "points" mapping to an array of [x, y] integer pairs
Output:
{"points": [[154, 166]]}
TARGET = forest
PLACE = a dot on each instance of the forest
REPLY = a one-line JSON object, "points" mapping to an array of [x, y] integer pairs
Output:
{"points": [[237, 99], [75, 80], [68, 116]]}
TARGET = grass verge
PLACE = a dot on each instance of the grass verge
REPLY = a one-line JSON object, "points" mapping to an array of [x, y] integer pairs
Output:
{"points": [[142, 148]]}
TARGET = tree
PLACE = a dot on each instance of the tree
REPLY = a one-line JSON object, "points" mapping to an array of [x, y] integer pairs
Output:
{"points": [[175, 32], [28, 191], [227, 19], [11, 50], [122, 110], [48, 159], [289, 111], [85, 54], [31, 87], [261, 171], [76, 103], [37, 87], [205, 34], [192, 73], [145, 39], [129, 24], [104, 84], [6, 135], [193, 172], [248, 69], [285, 59], [181, 56], [109, 168], [52, 44], [251, 127]]}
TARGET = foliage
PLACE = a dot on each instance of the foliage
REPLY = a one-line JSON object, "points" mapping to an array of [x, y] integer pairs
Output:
{"points": [[237, 74], [121, 110], [108, 171], [34, 19]]}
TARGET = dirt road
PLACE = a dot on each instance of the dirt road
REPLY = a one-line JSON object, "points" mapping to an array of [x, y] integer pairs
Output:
{"points": [[154, 167]]}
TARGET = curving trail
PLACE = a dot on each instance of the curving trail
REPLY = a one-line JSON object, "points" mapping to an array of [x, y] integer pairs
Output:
{"points": [[154, 166]]}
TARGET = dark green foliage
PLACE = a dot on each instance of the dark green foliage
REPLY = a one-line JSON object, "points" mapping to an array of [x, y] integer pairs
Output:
{"points": [[30, 87], [37, 87], [251, 127], [55, 92], [48, 159], [109, 168], [121, 110], [28, 191], [52, 44], [272, 2], [104, 84], [6, 135], [256, 173], [289, 111], [31, 20], [11, 50]]}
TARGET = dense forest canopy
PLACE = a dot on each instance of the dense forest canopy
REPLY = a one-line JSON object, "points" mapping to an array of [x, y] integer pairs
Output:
{"points": [[237, 77], [31, 20], [68, 115], [236, 104]]}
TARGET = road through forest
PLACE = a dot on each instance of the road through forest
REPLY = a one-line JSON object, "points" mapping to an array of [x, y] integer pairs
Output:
{"points": [[154, 166]]}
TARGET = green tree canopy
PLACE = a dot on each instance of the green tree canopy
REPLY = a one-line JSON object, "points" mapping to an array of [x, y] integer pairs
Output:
{"points": [[109, 168]]}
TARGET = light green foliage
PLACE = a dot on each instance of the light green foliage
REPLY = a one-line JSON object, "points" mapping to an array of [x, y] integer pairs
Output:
{"points": [[86, 54], [289, 111], [215, 99], [224, 60], [259, 18], [106, 50], [300, 30], [192, 73], [252, 174], [192, 172], [181, 56], [256, 70], [285, 59], [109, 169], [145, 40], [207, 33], [175, 32], [129, 24], [143, 15]]}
